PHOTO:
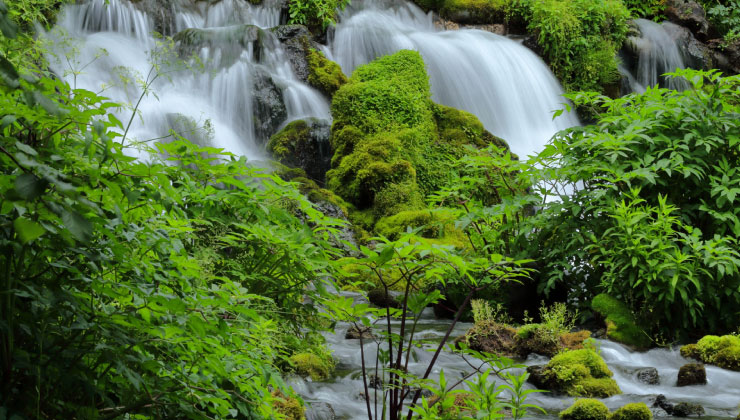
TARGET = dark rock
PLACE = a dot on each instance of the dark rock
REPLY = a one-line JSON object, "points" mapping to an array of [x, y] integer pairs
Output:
{"points": [[320, 411], [537, 376], [378, 297], [374, 381], [726, 56], [267, 105], [296, 39], [162, 14], [685, 409], [699, 55], [692, 374], [354, 333], [662, 402], [648, 376], [231, 41], [531, 43], [690, 14], [304, 144]]}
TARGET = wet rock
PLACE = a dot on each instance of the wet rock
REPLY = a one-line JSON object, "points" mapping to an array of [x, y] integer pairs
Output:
{"points": [[730, 53], [648, 376], [690, 14], [231, 41], [162, 14], [537, 376], [692, 374], [494, 338], [304, 144], [379, 298], [296, 39], [268, 106], [355, 333], [682, 409], [449, 25], [699, 55], [320, 411]]}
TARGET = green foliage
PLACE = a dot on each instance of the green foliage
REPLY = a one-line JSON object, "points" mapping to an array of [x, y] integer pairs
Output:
{"points": [[316, 14], [650, 9], [324, 74], [580, 39], [652, 218], [586, 409], [154, 288], [633, 411], [621, 325], [721, 351], [726, 18]]}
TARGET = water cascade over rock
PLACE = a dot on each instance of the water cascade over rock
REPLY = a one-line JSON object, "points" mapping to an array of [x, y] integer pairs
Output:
{"points": [[504, 84]]}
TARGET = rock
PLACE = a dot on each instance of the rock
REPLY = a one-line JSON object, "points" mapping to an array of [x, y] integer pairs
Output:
{"points": [[690, 14], [379, 298], [268, 106], [648, 376], [492, 337], [374, 381], [730, 52], [304, 144], [685, 409], [699, 55], [355, 333], [537, 376], [577, 373], [231, 41], [162, 13], [692, 374], [296, 39], [682, 409], [320, 411]]}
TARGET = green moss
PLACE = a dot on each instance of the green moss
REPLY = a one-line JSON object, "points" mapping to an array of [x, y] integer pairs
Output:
{"points": [[283, 145], [586, 409], [474, 11], [290, 408], [721, 351], [308, 364], [324, 74], [621, 325], [580, 373], [633, 411]]}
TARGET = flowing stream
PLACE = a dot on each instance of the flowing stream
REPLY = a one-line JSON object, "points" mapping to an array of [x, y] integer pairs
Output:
{"points": [[343, 392]]}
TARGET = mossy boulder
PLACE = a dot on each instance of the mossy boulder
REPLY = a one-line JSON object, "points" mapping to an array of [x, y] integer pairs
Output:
{"points": [[324, 74], [492, 337], [310, 365], [721, 351], [692, 374], [578, 373], [304, 144], [468, 11], [290, 407], [586, 409], [503, 340], [232, 41], [621, 325], [390, 141], [633, 411], [433, 224]]}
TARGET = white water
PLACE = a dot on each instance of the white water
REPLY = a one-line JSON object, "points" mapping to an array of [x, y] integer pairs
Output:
{"points": [[658, 54], [720, 397], [503, 83], [218, 97]]}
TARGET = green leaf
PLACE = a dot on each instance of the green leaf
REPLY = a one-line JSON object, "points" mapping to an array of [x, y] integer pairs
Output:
{"points": [[80, 227], [27, 230], [29, 187]]}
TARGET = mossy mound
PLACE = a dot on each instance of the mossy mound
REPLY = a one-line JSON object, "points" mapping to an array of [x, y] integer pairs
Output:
{"points": [[633, 411], [433, 224], [721, 351], [578, 373], [621, 325], [468, 11], [324, 74], [304, 144], [586, 409], [503, 340], [492, 337], [291, 408], [390, 141], [310, 365]]}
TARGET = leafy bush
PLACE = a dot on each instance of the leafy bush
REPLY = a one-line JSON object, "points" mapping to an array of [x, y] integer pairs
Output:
{"points": [[726, 18], [316, 14]]}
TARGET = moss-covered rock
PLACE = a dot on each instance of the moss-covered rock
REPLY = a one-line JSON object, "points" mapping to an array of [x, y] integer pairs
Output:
{"points": [[621, 325], [633, 411], [586, 409], [304, 144], [310, 365], [692, 374], [468, 11], [578, 373], [290, 407], [324, 74], [390, 140], [438, 223], [492, 337], [721, 351]]}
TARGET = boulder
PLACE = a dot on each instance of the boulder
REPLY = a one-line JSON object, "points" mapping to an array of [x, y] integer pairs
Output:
{"points": [[355, 333], [320, 411], [648, 376], [267, 105], [690, 14], [296, 39], [682, 409], [379, 298], [692, 374], [304, 144], [231, 41], [492, 337]]}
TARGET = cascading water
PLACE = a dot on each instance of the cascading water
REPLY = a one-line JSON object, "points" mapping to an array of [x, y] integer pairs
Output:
{"points": [[503, 83], [654, 53], [219, 100]]}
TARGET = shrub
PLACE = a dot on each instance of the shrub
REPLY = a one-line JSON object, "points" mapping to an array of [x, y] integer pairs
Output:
{"points": [[316, 14], [585, 409]]}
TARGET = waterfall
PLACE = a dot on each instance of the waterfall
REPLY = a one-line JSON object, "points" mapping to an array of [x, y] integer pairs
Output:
{"points": [[113, 46], [508, 87], [656, 52]]}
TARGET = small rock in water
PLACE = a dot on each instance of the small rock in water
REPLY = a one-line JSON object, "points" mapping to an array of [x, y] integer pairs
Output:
{"points": [[320, 411], [692, 374], [682, 409], [354, 333], [378, 297], [648, 376]]}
